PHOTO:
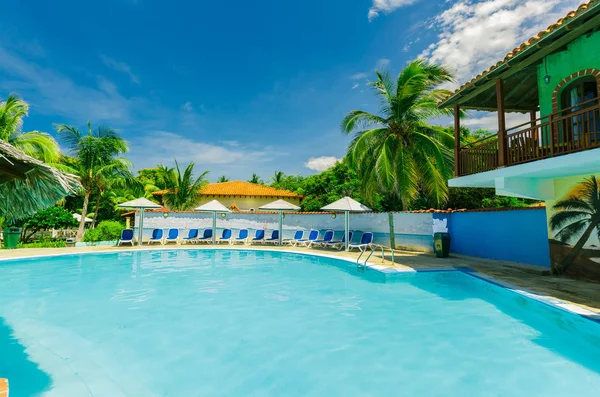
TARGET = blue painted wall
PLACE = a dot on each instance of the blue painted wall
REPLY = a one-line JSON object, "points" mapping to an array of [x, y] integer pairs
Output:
{"points": [[516, 236]]}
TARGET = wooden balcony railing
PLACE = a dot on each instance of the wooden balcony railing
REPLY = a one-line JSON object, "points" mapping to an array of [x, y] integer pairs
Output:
{"points": [[571, 130]]}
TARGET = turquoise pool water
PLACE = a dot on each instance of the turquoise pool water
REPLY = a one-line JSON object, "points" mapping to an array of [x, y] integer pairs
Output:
{"points": [[257, 323]]}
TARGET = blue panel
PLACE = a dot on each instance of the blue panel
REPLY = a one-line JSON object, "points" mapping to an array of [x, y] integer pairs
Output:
{"points": [[516, 236]]}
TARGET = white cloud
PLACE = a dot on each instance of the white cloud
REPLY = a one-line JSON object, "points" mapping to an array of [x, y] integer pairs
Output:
{"points": [[387, 6], [355, 86], [162, 147], [321, 164], [187, 106], [359, 76], [489, 120], [119, 67], [472, 36], [383, 63], [53, 93]]}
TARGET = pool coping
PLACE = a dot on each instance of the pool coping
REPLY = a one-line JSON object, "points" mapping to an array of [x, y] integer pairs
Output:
{"points": [[388, 271]]}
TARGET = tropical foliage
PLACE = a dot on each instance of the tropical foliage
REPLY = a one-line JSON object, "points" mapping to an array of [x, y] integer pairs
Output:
{"points": [[182, 186], [397, 153], [105, 231], [577, 217], [97, 161], [47, 219], [38, 145], [256, 179]]}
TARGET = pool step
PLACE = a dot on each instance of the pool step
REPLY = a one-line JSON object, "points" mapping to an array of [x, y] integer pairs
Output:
{"points": [[3, 387]]}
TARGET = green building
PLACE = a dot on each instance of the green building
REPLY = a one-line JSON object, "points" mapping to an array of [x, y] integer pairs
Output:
{"points": [[555, 155]]}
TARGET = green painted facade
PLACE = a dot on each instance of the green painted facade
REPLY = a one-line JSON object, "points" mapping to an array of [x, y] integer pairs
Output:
{"points": [[581, 54]]}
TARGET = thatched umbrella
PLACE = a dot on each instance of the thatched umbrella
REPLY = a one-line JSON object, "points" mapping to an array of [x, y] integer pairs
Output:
{"points": [[281, 206], [347, 205], [28, 185]]}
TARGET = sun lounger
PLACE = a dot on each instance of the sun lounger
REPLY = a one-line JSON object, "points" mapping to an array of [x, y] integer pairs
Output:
{"points": [[206, 236], [365, 242], [259, 237], [327, 237], [293, 241], [192, 237], [172, 236], [274, 239], [157, 236], [241, 238], [226, 236], [312, 236], [339, 244], [126, 237]]}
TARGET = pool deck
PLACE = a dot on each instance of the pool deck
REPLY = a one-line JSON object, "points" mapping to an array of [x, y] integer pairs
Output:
{"points": [[530, 278]]}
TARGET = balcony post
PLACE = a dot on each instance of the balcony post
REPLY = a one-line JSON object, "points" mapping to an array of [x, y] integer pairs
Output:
{"points": [[502, 149], [456, 140]]}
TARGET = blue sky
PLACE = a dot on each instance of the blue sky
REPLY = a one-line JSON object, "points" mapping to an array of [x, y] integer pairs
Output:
{"points": [[240, 87]]}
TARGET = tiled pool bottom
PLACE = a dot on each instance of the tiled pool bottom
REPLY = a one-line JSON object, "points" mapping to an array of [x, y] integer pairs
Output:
{"points": [[240, 323]]}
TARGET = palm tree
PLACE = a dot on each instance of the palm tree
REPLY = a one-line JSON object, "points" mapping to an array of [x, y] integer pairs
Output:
{"points": [[97, 154], [256, 179], [222, 179], [182, 188], [38, 145], [397, 153], [578, 215], [277, 178]]}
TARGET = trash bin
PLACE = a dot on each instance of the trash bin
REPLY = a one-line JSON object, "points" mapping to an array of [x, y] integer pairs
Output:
{"points": [[11, 236], [441, 242]]}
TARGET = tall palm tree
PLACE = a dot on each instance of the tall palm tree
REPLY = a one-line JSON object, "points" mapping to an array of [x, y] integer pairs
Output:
{"points": [[222, 179], [277, 178], [38, 145], [256, 179], [577, 215], [97, 154], [182, 188], [397, 153]]}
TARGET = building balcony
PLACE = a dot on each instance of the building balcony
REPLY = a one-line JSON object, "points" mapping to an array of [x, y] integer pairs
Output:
{"points": [[570, 130]]}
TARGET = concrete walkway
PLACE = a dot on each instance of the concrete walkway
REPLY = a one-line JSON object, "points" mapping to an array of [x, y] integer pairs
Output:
{"points": [[535, 279]]}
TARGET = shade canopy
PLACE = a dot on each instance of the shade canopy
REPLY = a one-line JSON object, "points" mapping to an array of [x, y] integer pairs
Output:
{"points": [[212, 206], [346, 204], [140, 203], [280, 205], [28, 185], [78, 217]]}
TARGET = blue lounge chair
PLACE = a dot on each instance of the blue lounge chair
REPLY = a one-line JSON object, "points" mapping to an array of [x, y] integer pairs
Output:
{"points": [[312, 237], [339, 244], [206, 236], [126, 237], [157, 236], [192, 236], [172, 236], [294, 240], [259, 237], [241, 238], [226, 236], [365, 242], [274, 239], [327, 237]]}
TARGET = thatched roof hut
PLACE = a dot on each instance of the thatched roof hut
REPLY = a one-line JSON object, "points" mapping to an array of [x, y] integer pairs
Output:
{"points": [[28, 185]]}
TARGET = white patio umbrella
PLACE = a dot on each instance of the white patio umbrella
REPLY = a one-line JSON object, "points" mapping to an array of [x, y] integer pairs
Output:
{"points": [[215, 207], [347, 205], [141, 204], [281, 206], [78, 218]]}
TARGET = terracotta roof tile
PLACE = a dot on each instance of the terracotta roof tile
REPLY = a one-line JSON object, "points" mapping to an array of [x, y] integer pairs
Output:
{"points": [[239, 188], [572, 14]]}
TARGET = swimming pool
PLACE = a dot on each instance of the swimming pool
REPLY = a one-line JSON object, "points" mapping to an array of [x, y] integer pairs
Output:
{"points": [[261, 323]]}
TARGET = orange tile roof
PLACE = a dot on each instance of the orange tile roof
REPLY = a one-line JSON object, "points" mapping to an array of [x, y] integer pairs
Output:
{"points": [[529, 43], [240, 188]]}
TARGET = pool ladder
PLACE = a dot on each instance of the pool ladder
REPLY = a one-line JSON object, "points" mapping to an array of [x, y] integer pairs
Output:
{"points": [[373, 248]]}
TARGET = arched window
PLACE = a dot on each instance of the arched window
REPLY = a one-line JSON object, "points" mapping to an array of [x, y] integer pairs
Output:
{"points": [[575, 98]]}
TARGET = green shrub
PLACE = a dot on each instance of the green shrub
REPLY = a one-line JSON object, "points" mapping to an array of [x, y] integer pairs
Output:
{"points": [[44, 244], [105, 231]]}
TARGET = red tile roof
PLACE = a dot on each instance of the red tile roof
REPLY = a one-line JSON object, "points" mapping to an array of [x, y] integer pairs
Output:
{"points": [[240, 188]]}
